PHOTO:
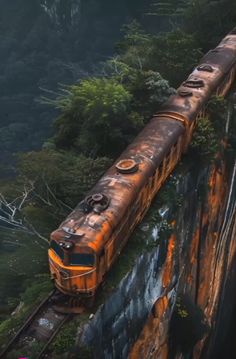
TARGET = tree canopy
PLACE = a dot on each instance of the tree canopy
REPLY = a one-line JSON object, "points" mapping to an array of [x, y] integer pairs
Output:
{"points": [[95, 117]]}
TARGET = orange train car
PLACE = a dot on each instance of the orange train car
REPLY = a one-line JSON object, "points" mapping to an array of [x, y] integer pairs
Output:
{"points": [[87, 243]]}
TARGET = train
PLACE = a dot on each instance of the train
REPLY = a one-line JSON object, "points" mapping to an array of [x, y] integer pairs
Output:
{"points": [[87, 243]]}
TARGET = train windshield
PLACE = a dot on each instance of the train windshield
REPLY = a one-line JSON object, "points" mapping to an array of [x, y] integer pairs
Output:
{"points": [[82, 259], [57, 249]]}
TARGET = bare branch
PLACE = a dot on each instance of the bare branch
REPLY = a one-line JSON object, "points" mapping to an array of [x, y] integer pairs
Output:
{"points": [[60, 202], [11, 214]]}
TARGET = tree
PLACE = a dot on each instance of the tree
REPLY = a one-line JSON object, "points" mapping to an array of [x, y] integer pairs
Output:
{"points": [[95, 117], [148, 88], [176, 54], [210, 20], [172, 54], [50, 184], [101, 115], [12, 214], [135, 48], [205, 142], [60, 179]]}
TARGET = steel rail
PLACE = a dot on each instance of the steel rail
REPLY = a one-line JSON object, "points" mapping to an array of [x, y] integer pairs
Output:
{"points": [[27, 324], [41, 354]]}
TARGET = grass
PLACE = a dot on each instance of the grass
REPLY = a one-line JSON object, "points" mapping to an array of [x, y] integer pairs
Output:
{"points": [[65, 340], [33, 295]]}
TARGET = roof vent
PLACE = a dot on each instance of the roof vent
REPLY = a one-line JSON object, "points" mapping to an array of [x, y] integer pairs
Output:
{"points": [[97, 203], [127, 166], [193, 83], [205, 67], [68, 230]]}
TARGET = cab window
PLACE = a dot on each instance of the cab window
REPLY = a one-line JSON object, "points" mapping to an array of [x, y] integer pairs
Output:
{"points": [[57, 249], [82, 259]]}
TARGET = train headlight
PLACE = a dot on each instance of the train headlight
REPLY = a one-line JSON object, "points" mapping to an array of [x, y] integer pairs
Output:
{"points": [[68, 245]]}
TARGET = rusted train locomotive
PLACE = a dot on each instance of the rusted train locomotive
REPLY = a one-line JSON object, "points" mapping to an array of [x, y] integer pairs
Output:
{"points": [[87, 243]]}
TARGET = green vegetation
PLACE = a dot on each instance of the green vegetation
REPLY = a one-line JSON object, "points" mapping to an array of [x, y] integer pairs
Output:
{"points": [[30, 298], [101, 116], [172, 54], [22, 258], [205, 142], [65, 340], [96, 117], [31, 352], [181, 309], [210, 130], [208, 20], [36, 292], [60, 178]]}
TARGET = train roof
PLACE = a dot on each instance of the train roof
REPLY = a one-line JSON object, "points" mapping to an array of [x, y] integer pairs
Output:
{"points": [[204, 80], [121, 189]]}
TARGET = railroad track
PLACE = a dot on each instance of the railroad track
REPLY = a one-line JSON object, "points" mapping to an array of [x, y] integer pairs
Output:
{"points": [[41, 326]]}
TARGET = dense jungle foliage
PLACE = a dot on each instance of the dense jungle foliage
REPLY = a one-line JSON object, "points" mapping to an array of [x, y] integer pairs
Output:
{"points": [[52, 53]]}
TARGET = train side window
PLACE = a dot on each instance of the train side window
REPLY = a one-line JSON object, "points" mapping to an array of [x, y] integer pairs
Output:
{"points": [[82, 259]]}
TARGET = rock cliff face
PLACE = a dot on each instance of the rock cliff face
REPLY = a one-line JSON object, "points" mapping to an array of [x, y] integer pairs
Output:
{"points": [[178, 300], [203, 261]]}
